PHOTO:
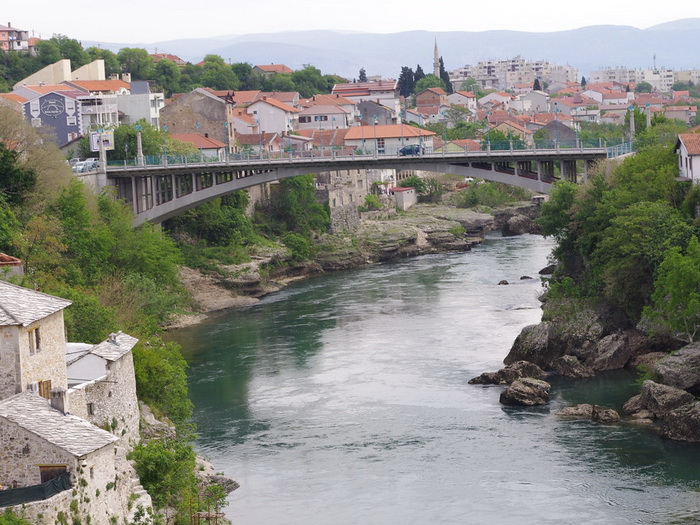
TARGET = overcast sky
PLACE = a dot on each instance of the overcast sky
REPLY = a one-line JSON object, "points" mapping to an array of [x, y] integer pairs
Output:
{"points": [[148, 21]]}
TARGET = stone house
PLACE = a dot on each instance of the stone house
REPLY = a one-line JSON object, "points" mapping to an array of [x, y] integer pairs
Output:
{"points": [[200, 111], [431, 97], [32, 341], [52, 397], [375, 113], [463, 98], [404, 197], [324, 117]]}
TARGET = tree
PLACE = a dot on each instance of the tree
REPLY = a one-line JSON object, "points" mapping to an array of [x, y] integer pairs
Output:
{"points": [[676, 298], [72, 50], [167, 75], [428, 81], [110, 59], [445, 77], [244, 71], [472, 85], [584, 82], [418, 74], [457, 115], [363, 75], [15, 182], [218, 75], [137, 62], [644, 87], [415, 182], [47, 52], [536, 86], [406, 82]]}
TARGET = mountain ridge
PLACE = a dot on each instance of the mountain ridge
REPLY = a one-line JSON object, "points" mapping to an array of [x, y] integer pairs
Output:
{"points": [[344, 53]]}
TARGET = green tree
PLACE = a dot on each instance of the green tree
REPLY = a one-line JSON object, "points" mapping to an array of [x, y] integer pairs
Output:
{"points": [[294, 208], [10, 518], [414, 181], [445, 77], [167, 75], [15, 181], [72, 50], [406, 82], [47, 52], [676, 297], [644, 87], [428, 81], [137, 62], [472, 85], [536, 86], [217, 74], [418, 75], [247, 79], [112, 65], [363, 75]]}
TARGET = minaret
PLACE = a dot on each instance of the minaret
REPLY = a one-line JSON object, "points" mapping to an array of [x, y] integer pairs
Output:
{"points": [[436, 61]]}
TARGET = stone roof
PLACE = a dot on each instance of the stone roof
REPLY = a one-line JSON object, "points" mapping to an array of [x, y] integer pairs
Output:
{"points": [[22, 306], [112, 349], [71, 433]]}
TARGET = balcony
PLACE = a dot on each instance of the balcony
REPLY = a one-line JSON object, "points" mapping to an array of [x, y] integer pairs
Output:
{"points": [[11, 497]]}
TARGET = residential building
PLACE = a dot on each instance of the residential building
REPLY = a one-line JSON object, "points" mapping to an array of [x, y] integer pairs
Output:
{"points": [[688, 151], [156, 57], [140, 104], [13, 39], [388, 139], [259, 143], [324, 117], [208, 147], [274, 116], [465, 99], [272, 69], [58, 111], [684, 113], [382, 92], [371, 113], [431, 97], [202, 112]]}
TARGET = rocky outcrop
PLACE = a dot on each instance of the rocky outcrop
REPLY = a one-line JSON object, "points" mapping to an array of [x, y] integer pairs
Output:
{"points": [[582, 411], [206, 476], [683, 424], [570, 366], [681, 369], [510, 373], [604, 415], [152, 428], [517, 221], [526, 392]]}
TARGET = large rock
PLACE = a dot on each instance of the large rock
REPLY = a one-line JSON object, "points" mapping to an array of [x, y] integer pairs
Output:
{"points": [[681, 370], [526, 392], [604, 415], [533, 345], [512, 372], [662, 399], [518, 225], [612, 352], [582, 411], [683, 424], [570, 366]]}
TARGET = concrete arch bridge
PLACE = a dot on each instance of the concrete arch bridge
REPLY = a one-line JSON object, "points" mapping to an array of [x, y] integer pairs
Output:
{"points": [[159, 192]]}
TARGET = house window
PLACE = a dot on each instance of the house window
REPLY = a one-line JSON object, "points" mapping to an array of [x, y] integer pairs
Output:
{"points": [[91, 409], [45, 389], [304, 120], [34, 341], [49, 472], [380, 145]]}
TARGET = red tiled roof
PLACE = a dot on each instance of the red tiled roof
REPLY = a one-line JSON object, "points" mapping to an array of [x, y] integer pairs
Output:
{"points": [[276, 103], [385, 132], [326, 137], [467, 94], [255, 139], [198, 140], [468, 144], [11, 97], [325, 100], [691, 141], [275, 68]]}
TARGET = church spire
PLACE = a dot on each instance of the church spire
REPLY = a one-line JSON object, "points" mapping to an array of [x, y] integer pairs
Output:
{"points": [[436, 61]]}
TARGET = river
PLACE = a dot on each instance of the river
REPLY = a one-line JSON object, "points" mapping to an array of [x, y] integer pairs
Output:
{"points": [[343, 399]]}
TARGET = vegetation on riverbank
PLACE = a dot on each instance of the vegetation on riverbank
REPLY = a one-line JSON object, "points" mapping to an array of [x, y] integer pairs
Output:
{"points": [[625, 237]]}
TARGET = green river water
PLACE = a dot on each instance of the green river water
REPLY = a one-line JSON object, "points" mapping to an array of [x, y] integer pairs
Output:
{"points": [[343, 399]]}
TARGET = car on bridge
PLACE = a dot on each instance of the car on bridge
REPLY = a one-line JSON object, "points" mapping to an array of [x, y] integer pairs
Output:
{"points": [[413, 149]]}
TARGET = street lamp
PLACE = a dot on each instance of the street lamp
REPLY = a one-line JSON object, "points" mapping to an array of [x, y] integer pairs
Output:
{"points": [[165, 145], [376, 142]]}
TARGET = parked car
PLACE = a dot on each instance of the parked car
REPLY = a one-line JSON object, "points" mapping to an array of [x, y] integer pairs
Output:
{"points": [[413, 149]]}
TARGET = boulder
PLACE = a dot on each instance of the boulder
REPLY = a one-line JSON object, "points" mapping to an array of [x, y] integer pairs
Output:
{"points": [[646, 360], [633, 405], [526, 392], [683, 424], [604, 415], [512, 372], [582, 411], [681, 370], [518, 225], [548, 270], [612, 352], [525, 277], [661, 399], [503, 282], [533, 345], [570, 366]]}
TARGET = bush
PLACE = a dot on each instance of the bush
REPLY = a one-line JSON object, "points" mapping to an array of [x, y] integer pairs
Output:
{"points": [[299, 246], [490, 194]]}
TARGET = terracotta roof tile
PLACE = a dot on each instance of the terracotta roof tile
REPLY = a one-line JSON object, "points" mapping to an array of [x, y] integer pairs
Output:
{"points": [[691, 141], [197, 138], [388, 131]]}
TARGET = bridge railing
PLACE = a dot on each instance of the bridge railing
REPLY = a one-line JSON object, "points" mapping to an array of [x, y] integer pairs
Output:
{"points": [[369, 152]]}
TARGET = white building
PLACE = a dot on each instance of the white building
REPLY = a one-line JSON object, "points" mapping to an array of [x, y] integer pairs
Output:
{"points": [[688, 150]]}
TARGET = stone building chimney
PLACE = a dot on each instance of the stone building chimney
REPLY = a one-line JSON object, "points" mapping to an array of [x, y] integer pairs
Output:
{"points": [[58, 399]]}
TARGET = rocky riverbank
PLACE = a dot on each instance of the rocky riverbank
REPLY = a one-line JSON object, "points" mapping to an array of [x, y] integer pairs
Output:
{"points": [[578, 341], [424, 229]]}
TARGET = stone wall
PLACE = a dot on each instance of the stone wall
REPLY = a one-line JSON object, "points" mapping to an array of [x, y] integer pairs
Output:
{"points": [[49, 363], [21, 453], [9, 365], [114, 402], [345, 219]]}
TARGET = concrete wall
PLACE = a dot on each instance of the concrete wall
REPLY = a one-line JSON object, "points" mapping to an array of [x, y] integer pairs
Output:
{"points": [[53, 74]]}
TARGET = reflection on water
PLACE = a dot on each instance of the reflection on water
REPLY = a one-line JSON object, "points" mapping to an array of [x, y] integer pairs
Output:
{"points": [[343, 399]]}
